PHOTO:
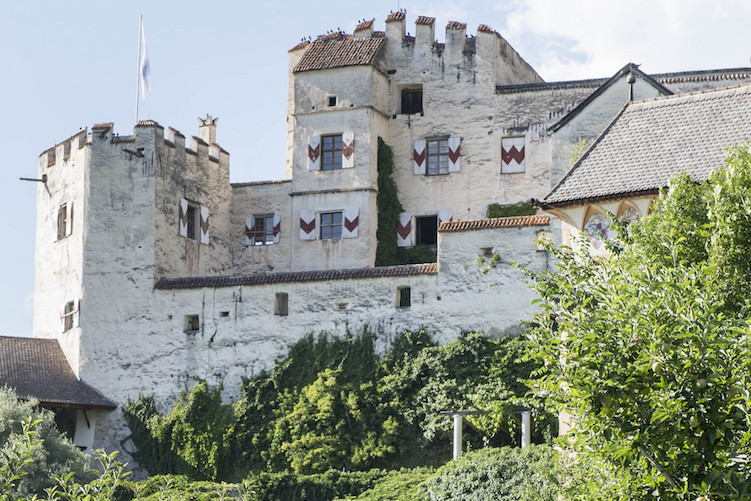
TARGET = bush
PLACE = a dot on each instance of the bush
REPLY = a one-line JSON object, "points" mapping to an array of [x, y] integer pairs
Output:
{"points": [[402, 485], [324, 487], [49, 454], [506, 473], [520, 209]]}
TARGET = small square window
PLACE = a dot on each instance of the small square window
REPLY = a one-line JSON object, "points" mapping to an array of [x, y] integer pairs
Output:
{"points": [[403, 297], [224, 314], [191, 323], [263, 231], [331, 225], [193, 221], [331, 152], [281, 304], [332, 100], [411, 101]]}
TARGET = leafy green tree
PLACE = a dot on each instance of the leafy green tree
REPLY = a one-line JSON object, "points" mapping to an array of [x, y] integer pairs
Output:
{"points": [[648, 351]]}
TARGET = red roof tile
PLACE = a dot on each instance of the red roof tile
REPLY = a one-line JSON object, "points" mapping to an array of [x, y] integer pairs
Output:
{"points": [[107, 125], [299, 46], [395, 16], [456, 25], [297, 277], [485, 29], [344, 51], [147, 123], [499, 222], [365, 25], [425, 20]]}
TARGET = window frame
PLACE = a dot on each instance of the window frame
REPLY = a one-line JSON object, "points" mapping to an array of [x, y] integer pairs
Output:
{"points": [[68, 311], [438, 157], [331, 157], [281, 304], [265, 235], [408, 101], [64, 220], [404, 297], [331, 225]]}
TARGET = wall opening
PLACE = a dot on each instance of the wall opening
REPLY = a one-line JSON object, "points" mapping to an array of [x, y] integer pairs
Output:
{"points": [[281, 304], [191, 323], [403, 297], [412, 100], [427, 230]]}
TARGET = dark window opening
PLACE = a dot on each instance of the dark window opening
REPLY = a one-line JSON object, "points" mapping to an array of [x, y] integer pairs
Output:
{"points": [[404, 297], [192, 323], [281, 304], [411, 101], [332, 100], [331, 225], [331, 152], [427, 230], [223, 313], [192, 226]]}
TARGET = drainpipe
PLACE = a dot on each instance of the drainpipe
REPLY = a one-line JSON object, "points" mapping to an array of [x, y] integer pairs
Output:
{"points": [[458, 424]]}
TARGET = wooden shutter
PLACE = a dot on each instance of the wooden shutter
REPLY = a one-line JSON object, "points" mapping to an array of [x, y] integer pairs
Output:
{"points": [[348, 150], [69, 224], [183, 218], [250, 228], [455, 146], [419, 157], [512, 155], [204, 228], [444, 216], [314, 153], [308, 224], [404, 230], [277, 227], [351, 221], [76, 311]]}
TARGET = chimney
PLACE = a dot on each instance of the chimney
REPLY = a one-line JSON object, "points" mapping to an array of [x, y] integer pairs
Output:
{"points": [[364, 29], [395, 26], [425, 31], [207, 129]]}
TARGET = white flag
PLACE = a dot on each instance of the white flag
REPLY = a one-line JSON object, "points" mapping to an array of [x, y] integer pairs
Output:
{"points": [[145, 70]]}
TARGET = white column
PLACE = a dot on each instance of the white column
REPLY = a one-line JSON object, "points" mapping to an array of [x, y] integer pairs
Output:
{"points": [[457, 436], [526, 428]]}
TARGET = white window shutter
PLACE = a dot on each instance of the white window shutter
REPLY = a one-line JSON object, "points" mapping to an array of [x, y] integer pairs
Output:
{"points": [[62, 318], [204, 229], [183, 218], [444, 216], [76, 311], [455, 146], [419, 157], [314, 153], [277, 227], [512, 155], [351, 222], [308, 224], [404, 230], [69, 227], [348, 150], [250, 227]]}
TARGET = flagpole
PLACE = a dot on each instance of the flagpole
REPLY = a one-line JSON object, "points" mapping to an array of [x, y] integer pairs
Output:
{"points": [[138, 68]]}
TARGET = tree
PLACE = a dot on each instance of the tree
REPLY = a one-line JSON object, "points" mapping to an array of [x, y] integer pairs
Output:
{"points": [[648, 350]]}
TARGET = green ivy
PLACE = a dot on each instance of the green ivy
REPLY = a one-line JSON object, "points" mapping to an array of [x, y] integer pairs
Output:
{"points": [[388, 206], [520, 209]]}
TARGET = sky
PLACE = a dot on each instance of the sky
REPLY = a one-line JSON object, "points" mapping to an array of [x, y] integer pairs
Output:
{"points": [[68, 65]]}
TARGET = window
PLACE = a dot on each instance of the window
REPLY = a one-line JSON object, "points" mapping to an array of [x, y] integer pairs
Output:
{"points": [[68, 312], [331, 152], [331, 225], [192, 323], [437, 156], [64, 220], [403, 297], [412, 101], [263, 231], [427, 230], [281, 304], [332, 100], [193, 221]]}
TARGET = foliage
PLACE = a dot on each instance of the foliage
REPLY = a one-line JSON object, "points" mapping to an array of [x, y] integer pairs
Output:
{"points": [[507, 473], [324, 487], [417, 254], [103, 484], [389, 208], [333, 403], [519, 209], [577, 151], [31, 448], [648, 350], [177, 487], [401, 485], [190, 440]]}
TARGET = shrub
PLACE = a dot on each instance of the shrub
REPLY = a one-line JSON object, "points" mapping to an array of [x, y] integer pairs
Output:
{"points": [[520, 209], [402, 485], [324, 487]]}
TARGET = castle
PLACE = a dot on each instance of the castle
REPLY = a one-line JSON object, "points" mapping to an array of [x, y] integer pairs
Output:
{"points": [[152, 268]]}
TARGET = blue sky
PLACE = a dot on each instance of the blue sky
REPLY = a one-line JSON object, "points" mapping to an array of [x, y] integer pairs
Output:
{"points": [[71, 65]]}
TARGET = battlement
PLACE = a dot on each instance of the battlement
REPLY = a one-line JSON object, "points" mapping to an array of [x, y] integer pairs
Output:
{"points": [[62, 150]]}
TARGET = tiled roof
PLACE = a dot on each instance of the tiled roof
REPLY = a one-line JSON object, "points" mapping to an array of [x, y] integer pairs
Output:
{"points": [[107, 125], [37, 368], [302, 44], [497, 222], [297, 277], [395, 16], [456, 25], [261, 183], [147, 123], [365, 25], [485, 29], [344, 50], [425, 20], [703, 75], [650, 141]]}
